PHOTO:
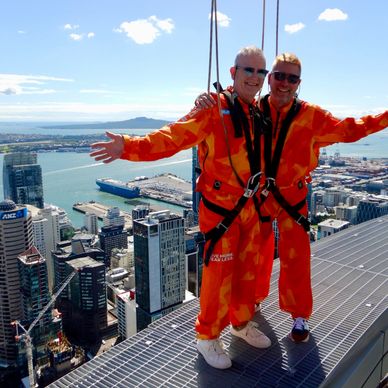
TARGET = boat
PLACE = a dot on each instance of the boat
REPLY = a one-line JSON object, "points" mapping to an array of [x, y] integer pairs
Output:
{"points": [[122, 189]]}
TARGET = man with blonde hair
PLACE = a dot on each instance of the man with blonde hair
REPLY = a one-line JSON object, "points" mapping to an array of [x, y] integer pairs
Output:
{"points": [[296, 130]]}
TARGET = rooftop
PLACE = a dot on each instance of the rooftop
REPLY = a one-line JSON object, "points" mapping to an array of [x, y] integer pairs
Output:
{"points": [[350, 282]]}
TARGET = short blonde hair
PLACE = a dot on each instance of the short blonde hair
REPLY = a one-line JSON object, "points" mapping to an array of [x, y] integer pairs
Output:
{"points": [[288, 58]]}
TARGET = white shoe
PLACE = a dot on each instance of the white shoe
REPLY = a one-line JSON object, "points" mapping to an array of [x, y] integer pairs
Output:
{"points": [[257, 307], [252, 335], [214, 354]]}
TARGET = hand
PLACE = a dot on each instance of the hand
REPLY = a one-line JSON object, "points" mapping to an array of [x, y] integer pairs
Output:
{"points": [[108, 151], [205, 101]]}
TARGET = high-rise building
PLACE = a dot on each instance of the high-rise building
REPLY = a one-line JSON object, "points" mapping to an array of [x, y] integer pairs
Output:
{"points": [[91, 223], [68, 250], [159, 248], [126, 314], [114, 217], [34, 298], [45, 226], [22, 179], [140, 211], [112, 237], [33, 286], [15, 238], [346, 213], [317, 202], [87, 314], [372, 207]]}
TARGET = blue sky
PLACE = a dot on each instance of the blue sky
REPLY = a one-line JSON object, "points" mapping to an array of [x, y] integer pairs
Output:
{"points": [[113, 60]]}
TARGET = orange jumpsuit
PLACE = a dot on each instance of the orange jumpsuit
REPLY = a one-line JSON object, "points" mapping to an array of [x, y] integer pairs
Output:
{"points": [[311, 129], [228, 280]]}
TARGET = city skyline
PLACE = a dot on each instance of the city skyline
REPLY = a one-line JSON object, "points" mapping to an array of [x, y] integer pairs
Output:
{"points": [[66, 63], [354, 172]]}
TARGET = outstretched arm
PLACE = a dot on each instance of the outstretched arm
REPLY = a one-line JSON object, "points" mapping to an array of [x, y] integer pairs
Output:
{"points": [[108, 151]]}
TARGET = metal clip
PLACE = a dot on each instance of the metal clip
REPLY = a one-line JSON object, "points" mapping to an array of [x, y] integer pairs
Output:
{"points": [[252, 185], [271, 182]]}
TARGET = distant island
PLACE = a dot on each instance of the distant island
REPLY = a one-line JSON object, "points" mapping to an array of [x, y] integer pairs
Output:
{"points": [[136, 123]]}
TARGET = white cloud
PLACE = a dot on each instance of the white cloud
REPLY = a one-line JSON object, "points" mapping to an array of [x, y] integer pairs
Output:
{"points": [[222, 19], [145, 31], [91, 35], [76, 37], [21, 32], [332, 14], [292, 28], [69, 26], [165, 25], [11, 84]]}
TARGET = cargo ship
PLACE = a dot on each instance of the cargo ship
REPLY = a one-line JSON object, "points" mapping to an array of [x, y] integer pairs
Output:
{"points": [[122, 189]]}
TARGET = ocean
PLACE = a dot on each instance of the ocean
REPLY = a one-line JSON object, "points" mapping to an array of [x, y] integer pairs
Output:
{"points": [[69, 177]]}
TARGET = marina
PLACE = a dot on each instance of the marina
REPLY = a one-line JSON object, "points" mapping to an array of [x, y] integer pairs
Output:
{"points": [[164, 187]]}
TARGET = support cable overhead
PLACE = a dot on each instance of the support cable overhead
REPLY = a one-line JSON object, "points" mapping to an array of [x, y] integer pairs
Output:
{"points": [[214, 36], [263, 27], [277, 27], [214, 24]]}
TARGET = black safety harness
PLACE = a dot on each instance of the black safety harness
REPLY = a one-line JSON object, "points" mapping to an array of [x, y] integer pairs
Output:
{"points": [[272, 162], [241, 128]]}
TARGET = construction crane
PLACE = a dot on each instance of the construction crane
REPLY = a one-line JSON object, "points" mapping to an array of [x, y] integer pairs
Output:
{"points": [[26, 337]]}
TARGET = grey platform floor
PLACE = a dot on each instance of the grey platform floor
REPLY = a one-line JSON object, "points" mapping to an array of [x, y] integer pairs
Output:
{"points": [[350, 287]]}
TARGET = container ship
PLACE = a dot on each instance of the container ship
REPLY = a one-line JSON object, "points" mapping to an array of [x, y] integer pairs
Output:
{"points": [[122, 189]]}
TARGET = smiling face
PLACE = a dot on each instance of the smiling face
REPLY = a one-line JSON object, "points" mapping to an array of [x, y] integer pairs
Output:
{"points": [[248, 75], [283, 81]]}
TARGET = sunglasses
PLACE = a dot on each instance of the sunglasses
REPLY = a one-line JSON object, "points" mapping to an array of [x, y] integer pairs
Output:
{"points": [[250, 71], [291, 78]]}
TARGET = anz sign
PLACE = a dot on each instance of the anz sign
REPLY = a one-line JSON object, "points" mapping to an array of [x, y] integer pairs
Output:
{"points": [[13, 215]]}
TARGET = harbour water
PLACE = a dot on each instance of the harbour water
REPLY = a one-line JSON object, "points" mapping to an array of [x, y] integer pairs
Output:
{"points": [[69, 177]]}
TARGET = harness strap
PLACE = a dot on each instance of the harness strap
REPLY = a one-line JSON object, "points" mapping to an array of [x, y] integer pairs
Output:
{"points": [[241, 127], [299, 218], [272, 163], [257, 207], [214, 235], [215, 208], [218, 231]]}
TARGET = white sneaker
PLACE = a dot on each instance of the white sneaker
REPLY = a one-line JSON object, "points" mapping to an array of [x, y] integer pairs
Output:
{"points": [[257, 307], [214, 354], [252, 335]]}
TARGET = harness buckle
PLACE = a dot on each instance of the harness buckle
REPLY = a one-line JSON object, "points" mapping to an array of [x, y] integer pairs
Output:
{"points": [[270, 182], [221, 224], [252, 185]]}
